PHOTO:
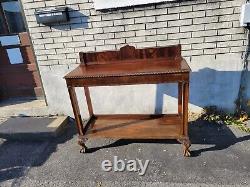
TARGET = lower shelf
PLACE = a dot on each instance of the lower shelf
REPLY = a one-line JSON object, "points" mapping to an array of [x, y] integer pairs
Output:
{"points": [[167, 126]]}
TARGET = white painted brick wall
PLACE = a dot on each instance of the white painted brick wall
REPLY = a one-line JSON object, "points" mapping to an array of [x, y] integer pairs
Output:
{"points": [[204, 28], [204, 23]]}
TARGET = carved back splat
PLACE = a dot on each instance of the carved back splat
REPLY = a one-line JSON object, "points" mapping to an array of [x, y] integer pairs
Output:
{"points": [[130, 53]]}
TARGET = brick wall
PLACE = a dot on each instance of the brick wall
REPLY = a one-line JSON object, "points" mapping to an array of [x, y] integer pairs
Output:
{"points": [[208, 30]]}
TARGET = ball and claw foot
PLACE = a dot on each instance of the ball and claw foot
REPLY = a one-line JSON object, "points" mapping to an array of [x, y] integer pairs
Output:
{"points": [[83, 146], [187, 152], [186, 144], [83, 150]]}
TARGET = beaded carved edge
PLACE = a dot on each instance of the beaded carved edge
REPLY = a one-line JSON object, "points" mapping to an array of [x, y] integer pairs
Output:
{"points": [[127, 74]]}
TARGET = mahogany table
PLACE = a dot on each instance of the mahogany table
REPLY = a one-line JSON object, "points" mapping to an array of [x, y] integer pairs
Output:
{"points": [[126, 67]]}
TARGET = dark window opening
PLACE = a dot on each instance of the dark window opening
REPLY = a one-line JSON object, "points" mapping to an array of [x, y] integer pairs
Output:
{"points": [[11, 19]]}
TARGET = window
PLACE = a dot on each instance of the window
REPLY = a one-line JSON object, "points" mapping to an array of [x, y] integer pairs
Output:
{"points": [[11, 17], [15, 56], [11, 23], [9, 40], [11, 43]]}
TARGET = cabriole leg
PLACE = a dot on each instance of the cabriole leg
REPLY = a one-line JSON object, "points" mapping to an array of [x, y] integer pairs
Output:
{"points": [[78, 119], [185, 141]]}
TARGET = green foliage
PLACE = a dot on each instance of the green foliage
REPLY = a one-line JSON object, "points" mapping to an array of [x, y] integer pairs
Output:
{"points": [[212, 114]]}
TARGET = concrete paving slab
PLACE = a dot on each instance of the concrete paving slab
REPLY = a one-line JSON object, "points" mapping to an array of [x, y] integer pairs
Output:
{"points": [[220, 157], [23, 107], [32, 128]]}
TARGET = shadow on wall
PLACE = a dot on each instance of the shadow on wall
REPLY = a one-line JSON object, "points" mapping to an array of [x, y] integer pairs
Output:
{"points": [[207, 87]]}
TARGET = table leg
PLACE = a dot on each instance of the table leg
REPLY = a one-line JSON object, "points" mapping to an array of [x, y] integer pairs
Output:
{"points": [[78, 119], [180, 104], [185, 140], [185, 108], [180, 95], [88, 99]]}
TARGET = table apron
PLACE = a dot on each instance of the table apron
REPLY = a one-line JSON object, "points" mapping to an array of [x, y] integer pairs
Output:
{"points": [[127, 80]]}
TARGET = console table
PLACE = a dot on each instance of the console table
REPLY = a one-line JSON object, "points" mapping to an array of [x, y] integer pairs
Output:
{"points": [[126, 67]]}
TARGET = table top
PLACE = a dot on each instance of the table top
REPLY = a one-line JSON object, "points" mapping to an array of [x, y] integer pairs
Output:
{"points": [[130, 68]]}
